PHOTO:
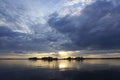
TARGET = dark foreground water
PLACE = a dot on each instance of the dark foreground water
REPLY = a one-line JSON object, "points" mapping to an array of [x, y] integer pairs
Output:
{"points": [[60, 70]]}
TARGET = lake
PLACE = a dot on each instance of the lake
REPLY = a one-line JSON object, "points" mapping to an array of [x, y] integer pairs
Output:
{"points": [[60, 70]]}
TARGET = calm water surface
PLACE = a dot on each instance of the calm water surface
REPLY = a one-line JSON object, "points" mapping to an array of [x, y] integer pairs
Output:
{"points": [[60, 70]]}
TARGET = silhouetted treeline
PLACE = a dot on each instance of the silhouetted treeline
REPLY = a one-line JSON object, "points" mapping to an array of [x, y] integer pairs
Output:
{"points": [[33, 58], [43, 58], [69, 58], [76, 58], [51, 58]]}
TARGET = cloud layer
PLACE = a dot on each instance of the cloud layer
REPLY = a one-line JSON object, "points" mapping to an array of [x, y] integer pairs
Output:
{"points": [[97, 27], [69, 25]]}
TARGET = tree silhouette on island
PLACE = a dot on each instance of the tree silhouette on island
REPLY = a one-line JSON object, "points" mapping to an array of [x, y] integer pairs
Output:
{"points": [[69, 58], [51, 58]]}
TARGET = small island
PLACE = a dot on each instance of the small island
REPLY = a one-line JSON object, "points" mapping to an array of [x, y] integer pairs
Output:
{"points": [[51, 58], [68, 58]]}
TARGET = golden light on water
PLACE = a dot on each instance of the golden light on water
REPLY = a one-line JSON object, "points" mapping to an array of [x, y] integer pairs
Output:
{"points": [[63, 65]]}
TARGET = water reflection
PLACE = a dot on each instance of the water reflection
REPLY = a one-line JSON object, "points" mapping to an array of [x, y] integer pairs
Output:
{"points": [[59, 70], [61, 65]]}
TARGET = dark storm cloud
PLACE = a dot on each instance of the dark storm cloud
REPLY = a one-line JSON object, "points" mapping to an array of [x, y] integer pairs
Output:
{"points": [[98, 26]]}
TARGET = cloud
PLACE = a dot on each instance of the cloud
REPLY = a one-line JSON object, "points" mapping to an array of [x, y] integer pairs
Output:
{"points": [[74, 2], [73, 27], [23, 27], [5, 32], [45, 41], [11, 15], [97, 27]]}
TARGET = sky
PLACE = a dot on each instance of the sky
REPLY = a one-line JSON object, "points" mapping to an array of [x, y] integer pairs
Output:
{"points": [[59, 28]]}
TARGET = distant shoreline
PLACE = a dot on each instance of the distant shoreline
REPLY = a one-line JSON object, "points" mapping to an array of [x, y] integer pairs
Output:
{"points": [[13, 59], [70, 58], [61, 59]]}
